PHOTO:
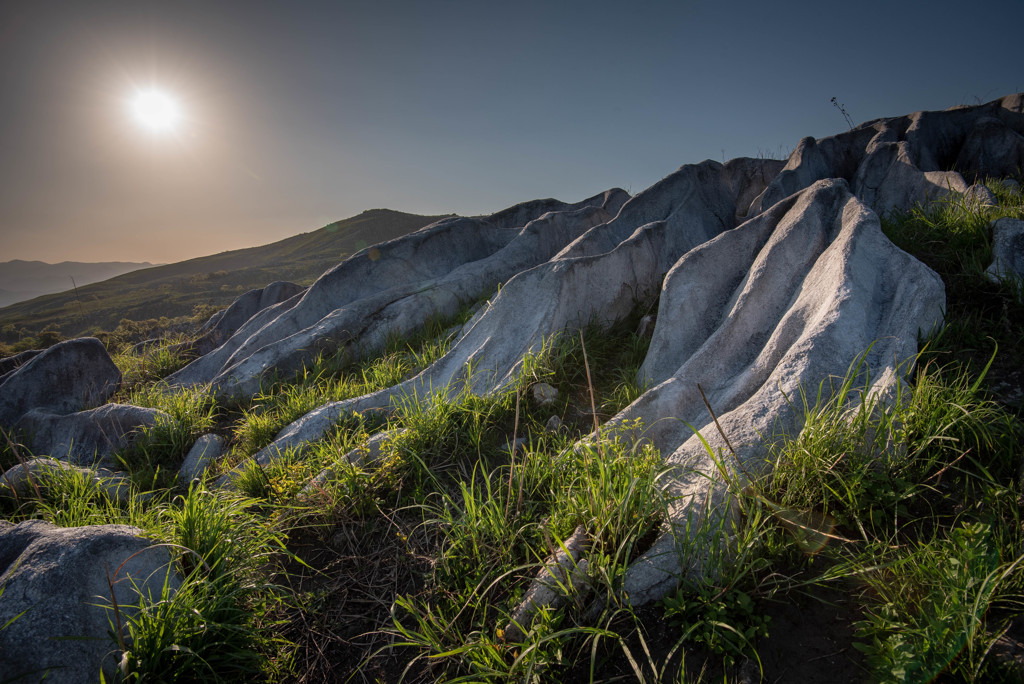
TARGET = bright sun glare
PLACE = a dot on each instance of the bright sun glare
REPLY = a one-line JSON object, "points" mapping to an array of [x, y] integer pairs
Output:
{"points": [[156, 111]]}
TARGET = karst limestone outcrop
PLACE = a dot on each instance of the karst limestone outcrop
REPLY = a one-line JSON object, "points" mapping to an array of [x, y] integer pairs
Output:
{"points": [[59, 584], [12, 363], [66, 378], [1007, 251], [54, 401], [86, 438], [277, 297], [785, 301], [394, 288], [772, 275]]}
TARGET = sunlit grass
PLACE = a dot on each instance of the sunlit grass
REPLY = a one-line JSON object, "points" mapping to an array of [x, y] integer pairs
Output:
{"points": [[428, 543], [151, 364], [153, 459], [336, 378]]}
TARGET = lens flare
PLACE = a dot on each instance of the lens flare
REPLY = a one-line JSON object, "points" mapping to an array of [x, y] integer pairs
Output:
{"points": [[156, 111]]}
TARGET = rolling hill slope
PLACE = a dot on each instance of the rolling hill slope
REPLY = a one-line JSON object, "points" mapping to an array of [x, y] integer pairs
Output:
{"points": [[177, 289]]}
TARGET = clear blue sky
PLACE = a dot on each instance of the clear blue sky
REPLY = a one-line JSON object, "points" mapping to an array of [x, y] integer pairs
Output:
{"points": [[300, 113]]}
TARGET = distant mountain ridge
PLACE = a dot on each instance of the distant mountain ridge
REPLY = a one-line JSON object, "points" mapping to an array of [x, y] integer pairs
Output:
{"points": [[23, 280], [174, 290]]}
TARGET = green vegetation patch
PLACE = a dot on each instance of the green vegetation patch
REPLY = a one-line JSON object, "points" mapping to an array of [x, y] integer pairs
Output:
{"points": [[408, 557]]}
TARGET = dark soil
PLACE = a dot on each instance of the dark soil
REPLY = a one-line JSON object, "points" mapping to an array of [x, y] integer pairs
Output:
{"points": [[811, 639], [349, 575]]}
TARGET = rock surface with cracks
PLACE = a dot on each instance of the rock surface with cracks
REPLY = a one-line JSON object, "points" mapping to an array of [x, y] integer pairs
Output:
{"points": [[277, 296], [88, 438], [67, 377]]}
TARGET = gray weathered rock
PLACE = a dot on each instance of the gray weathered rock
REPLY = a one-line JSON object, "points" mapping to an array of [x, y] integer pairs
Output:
{"points": [[67, 377], [979, 196], [1010, 184], [57, 577], [543, 394], [363, 455], [897, 162], [646, 326], [785, 301], [279, 296], [562, 576], [994, 145], [753, 311], [1007, 250], [146, 345], [515, 447], [88, 437], [201, 456], [599, 276], [25, 479], [362, 301], [11, 363]]}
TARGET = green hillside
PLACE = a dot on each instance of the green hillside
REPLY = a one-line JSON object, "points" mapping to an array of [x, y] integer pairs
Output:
{"points": [[180, 289]]}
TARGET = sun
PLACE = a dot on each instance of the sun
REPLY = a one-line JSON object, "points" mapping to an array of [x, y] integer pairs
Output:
{"points": [[156, 111]]}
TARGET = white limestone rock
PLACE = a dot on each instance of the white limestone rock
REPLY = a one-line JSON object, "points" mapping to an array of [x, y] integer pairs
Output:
{"points": [[785, 301], [892, 164], [778, 277], [56, 588], [375, 448], [67, 377], [543, 394], [599, 276], [277, 297], [1007, 251], [10, 364], [1010, 184], [204, 453], [90, 437], [394, 289], [561, 577], [980, 196]]}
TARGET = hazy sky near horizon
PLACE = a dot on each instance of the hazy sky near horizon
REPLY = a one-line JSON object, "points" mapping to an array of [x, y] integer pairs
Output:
{"points": [[297, 114]]}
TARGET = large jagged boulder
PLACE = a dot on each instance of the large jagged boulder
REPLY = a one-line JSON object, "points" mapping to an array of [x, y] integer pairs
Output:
{"points": [[787, 299], [67, 377], [87, 438], [58, 585], [890, 164], [779, 277], [784, 302]]}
